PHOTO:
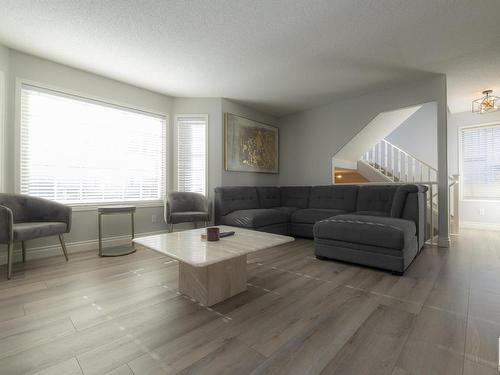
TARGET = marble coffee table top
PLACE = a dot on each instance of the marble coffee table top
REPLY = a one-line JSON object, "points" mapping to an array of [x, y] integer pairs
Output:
{"points": [[188, 247]]}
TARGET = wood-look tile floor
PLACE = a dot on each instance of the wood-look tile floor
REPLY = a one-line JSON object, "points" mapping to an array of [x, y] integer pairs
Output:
{"points": [[299, 316]]}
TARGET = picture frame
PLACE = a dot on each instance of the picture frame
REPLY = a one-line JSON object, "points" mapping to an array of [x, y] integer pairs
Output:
{"points": [[250, 146]]}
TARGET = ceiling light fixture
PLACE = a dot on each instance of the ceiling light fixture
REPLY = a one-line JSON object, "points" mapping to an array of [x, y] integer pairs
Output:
{"points": [[488, 103]]}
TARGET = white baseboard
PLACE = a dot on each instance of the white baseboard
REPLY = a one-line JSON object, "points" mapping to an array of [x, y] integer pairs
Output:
{"points": [[444, 241], [72, 247], [481, 226]]}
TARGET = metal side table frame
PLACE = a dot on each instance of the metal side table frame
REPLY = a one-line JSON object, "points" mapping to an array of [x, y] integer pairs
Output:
{"points": [[116, 250]]}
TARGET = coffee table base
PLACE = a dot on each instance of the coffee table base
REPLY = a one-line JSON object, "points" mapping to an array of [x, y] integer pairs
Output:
{"points": [[214, 283]]}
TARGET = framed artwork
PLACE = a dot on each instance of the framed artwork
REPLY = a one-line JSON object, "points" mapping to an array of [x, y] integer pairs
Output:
{"points": [[250, 146]]}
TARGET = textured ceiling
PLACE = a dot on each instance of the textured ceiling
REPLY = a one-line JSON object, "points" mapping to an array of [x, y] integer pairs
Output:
{"points": [[280, 56]]}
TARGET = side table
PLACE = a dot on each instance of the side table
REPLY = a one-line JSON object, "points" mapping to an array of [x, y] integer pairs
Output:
{"points": [[115, 250]]}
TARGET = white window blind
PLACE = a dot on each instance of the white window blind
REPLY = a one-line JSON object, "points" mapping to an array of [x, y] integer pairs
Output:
{"points": [[76, 150], [191, 153], [481, 162]]}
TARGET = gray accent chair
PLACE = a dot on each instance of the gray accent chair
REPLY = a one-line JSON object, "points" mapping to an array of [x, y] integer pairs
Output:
{"points": [[23, 218], [382, 226], [185, 207]]}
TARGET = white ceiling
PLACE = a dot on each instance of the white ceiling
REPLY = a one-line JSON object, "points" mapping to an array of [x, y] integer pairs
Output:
{"points": [[280, 56]]}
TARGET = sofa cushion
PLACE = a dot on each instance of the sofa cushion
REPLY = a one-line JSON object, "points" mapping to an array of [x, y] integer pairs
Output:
{"points": [[386, 232], [376, 198], [341, 197], [233, 198], [287, 210], [281, 228], [312, 215], [269, 196], [372, 213], [359, 247], [254, 218], [295, 196], [31, 230]]}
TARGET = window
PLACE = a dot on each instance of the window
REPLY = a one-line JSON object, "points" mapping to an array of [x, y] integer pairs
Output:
{"points": [[75, 150], [191, 133], [481, 162]]}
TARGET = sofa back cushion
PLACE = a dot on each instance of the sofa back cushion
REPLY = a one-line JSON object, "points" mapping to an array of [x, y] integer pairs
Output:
{"points": [[233, 198], [295, 196], [340, 197], [400, 198], [376, 198], [269, 196]]}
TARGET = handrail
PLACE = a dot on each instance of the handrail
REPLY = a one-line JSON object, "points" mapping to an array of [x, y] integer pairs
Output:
{"points": [[397, 164], [387, 183]]}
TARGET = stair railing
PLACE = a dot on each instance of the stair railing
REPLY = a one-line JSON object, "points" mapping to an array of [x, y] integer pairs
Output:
{"points": [[400, 166], [397, 164]]}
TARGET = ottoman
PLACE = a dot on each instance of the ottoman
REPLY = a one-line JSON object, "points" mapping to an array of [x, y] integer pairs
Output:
{"points": [[382, 242]]}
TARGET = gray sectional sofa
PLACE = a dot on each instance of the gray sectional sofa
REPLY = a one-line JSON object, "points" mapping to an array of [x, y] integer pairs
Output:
{"points": [[381, 226]]}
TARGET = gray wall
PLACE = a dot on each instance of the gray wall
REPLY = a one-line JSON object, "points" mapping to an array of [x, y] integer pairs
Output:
{"points": [[4, 58], [247, 178], [215, 108], [148, 219], [470, 211], [418, 135], [310, 138], [55, 75]]}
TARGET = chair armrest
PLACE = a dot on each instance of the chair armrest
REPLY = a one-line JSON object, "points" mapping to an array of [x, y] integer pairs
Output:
{"points": [[166, 211], [205, 205], [40, 209], [209, 209], [6, 222]]}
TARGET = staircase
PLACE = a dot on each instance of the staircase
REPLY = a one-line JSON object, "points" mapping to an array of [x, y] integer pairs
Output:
{"points": [[398, 166]]}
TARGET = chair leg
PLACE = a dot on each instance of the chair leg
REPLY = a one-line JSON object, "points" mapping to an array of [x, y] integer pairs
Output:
{"points": [[23, 246], [10, 248], [171, 229], [63, 245]]}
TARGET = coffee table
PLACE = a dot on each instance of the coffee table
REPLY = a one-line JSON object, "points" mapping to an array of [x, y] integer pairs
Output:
{"points": [[211, 272]]}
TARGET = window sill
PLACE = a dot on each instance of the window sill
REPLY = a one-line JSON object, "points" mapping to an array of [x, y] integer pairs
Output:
{"points": [[472, 200], [82, 207]]}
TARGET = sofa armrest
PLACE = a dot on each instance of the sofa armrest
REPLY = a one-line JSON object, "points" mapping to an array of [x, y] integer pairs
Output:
{"points": [[6, 222], [410, 203], [201, 203], [400, 198], [40, 209]]}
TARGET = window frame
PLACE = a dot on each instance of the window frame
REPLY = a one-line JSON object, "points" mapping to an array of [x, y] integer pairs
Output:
{"points": [[461, 160], [84, 95], [176, 149], [3, 123]]}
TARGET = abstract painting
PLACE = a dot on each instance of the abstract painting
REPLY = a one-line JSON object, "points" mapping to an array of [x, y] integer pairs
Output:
{"points": [[250, 146]]}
